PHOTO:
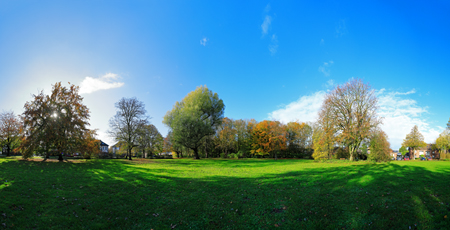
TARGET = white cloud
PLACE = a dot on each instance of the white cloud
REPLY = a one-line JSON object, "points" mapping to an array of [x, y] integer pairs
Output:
{"points": [[322, 42], [325, 68], [203, 41], [304, 109], [107, 81], [273, 47], [265, 26], [399, 114]]}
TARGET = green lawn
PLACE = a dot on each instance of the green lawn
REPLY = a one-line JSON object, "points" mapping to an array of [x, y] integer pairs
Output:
{"points": [[223, 194]]}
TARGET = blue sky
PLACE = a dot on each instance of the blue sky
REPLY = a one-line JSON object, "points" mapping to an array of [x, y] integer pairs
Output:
{"points": [[266, 60]]}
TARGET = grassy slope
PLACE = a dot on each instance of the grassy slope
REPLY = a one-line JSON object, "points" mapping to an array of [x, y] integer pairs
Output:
{"points": [[224, 194]]}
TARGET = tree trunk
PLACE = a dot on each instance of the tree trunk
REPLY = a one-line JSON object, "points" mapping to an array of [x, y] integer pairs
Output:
{"points": [[275, 155], [196, 153], [60, 157], [143, 154], [8, 151], [180, 154], [129, 154]]}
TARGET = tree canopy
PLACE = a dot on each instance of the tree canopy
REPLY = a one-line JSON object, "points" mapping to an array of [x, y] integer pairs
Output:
{"points": [[129, 119], [268, 137], [195, 117], [55, 122], [351, 110]]}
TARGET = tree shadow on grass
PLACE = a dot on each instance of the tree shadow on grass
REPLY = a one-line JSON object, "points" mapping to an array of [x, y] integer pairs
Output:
{"points": [[115, 194]]}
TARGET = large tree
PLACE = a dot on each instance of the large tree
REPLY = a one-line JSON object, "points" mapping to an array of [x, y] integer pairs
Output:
{"points": [[10, 131], [268, 137], [352, 107], [195, 117], [55, 122], [126, 124], [414, 140]]}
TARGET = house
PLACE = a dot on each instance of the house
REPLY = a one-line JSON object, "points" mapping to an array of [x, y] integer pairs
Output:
{"points": [[103, 147], [394, 153], [116, 147], [427, 151]]}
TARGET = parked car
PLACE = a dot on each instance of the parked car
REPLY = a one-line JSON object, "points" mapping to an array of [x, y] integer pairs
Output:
{"points": [[422, 158], [406, 158], [399, 158]]}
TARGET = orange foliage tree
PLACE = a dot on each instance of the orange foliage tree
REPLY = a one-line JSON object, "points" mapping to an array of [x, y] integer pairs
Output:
{"points": [[89, 146], [268, 137], [57, 121]]}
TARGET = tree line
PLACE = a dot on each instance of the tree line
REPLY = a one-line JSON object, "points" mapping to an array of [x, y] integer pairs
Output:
{"points": [[348, 126]]}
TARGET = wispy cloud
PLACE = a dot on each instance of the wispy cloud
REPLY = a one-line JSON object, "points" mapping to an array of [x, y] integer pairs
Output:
{"points": [[107, 81], [409, 92], [330, 84], [325, 68], [399, 114], [203, 41], [265, 26], [304, 109], [322, 42], [273, 47], [341, 28]]}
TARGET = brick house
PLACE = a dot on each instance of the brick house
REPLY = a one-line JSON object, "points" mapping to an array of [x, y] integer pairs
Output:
{"points": [[427, 151]]}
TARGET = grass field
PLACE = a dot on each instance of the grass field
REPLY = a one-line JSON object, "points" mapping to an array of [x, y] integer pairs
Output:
{"points": [[223, 194]]}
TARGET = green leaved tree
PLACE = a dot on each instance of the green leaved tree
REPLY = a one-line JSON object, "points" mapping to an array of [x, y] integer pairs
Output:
{"points": [[195, 117]]}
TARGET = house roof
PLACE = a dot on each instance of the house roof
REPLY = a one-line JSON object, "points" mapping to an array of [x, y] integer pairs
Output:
{"points": [[103, 143]]}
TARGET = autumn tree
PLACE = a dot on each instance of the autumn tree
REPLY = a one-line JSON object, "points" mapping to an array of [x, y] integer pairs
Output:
{"points": [[226, 135], [195, 117], [268, 137], [414, 140], [10, 131], [125, 125], [379, 146], [89, 145], [298, 136], [325, 134], [352, 107], [57, 121]]}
